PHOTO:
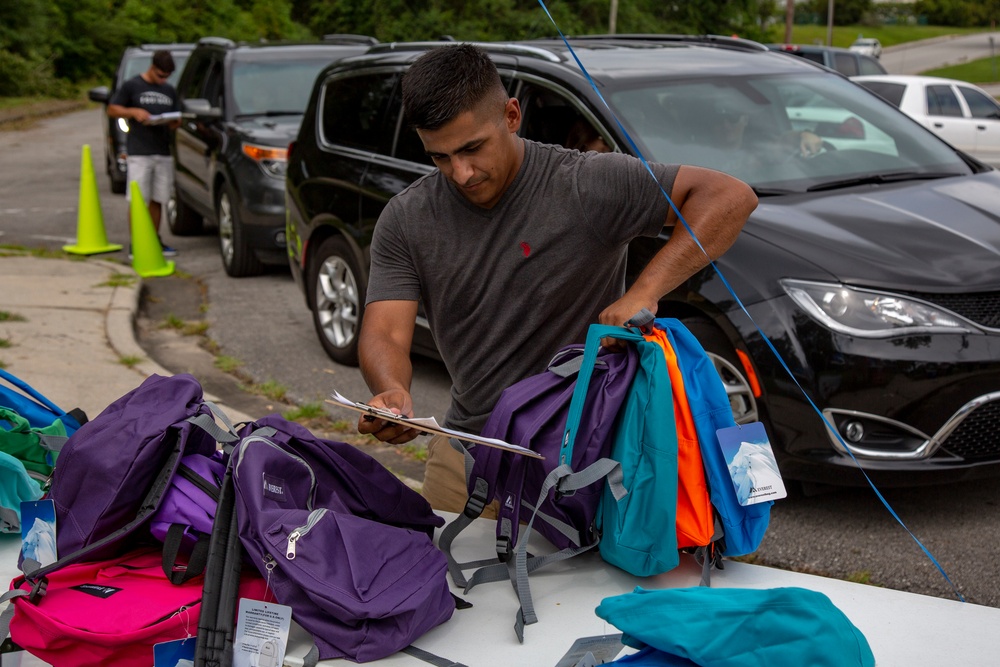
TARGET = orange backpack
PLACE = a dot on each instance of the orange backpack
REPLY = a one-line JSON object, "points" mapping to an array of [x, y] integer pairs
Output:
{"points": [[695, 515]]}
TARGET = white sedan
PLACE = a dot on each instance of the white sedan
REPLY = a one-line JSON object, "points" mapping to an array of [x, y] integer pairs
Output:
{"points": [[960, 113], [868, 46]]}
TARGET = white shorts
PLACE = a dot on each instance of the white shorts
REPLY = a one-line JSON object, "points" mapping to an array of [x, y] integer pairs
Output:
{"points": [[155, 176]]}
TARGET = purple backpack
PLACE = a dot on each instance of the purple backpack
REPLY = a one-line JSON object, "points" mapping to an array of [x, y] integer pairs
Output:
{"points": [[186, 514], [340, 540], [113, 471], [533, 413]]}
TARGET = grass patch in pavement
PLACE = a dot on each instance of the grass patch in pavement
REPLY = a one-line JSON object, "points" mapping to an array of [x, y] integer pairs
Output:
{"points": [[129, 360], [7, 316], [5, 343], [119, 280]]}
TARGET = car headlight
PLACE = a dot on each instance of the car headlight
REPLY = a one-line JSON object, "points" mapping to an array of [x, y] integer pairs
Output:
{"points": [[274, 161], [123, 125], [871, 314]]}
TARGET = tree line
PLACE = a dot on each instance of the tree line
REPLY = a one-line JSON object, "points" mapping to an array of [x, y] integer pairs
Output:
{"points": [[51, 47]]}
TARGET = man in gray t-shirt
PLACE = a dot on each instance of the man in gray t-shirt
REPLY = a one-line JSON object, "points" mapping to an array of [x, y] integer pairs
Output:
{"points": [[514, 248]]}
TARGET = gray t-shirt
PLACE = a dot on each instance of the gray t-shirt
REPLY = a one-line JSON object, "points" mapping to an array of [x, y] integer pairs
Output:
{"points": [[504, 288]]}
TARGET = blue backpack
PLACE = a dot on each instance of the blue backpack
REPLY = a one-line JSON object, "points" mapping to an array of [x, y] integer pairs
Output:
{"points": [[36, 408]]}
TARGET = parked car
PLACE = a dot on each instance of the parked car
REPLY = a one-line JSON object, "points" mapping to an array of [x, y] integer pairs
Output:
{"points": [[872, 267], [246, 102], [962, 114], [135, 60], [845, 61], [868, 46]]}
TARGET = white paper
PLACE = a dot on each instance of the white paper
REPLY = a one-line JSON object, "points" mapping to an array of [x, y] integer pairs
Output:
{"points": [[429, 424], [261, 634]]}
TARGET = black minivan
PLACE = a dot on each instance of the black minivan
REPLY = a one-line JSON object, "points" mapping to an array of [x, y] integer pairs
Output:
{"points": [[872, 266]]}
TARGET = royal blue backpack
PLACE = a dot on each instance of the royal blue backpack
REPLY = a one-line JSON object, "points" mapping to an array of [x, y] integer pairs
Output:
{"points": [[36, 408]]}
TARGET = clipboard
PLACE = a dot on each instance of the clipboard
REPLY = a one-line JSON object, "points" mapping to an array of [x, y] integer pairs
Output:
{"points": [[427, 425]]}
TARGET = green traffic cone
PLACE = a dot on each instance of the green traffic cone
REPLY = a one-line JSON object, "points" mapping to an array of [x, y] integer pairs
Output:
{"points": [[147, 254], [91, 238]]}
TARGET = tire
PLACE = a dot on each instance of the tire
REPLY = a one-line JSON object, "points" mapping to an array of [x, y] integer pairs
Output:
{"points": [[238, 259], [727, 363], [182, 219], [337, 297]]}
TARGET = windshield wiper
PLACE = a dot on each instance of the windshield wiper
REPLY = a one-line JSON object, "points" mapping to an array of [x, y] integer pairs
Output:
{"points": [[891, 177], [774, 192]]}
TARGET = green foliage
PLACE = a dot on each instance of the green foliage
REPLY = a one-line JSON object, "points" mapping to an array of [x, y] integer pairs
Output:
{"points": [[983, 70], [960, 13], [845, 12]]}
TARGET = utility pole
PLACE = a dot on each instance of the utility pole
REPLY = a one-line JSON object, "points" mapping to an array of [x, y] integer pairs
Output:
{"points": [[613, 18], [829, 23], [789, 20]]}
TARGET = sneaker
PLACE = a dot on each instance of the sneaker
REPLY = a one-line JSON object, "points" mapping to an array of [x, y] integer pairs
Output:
{"points": [[167, 250]]}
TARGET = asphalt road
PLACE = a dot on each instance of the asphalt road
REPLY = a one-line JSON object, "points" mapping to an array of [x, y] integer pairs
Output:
{"points": [[264, 323]]}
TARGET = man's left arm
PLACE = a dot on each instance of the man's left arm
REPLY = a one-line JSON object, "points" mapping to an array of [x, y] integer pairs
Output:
{"points": [[715, 206]]}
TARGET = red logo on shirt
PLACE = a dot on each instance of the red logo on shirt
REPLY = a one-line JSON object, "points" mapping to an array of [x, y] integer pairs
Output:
{"points": [[525, 248]]}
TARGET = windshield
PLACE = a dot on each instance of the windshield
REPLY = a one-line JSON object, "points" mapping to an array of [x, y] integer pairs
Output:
{"points": [[781, 133], [140, 62], [275, 87]]}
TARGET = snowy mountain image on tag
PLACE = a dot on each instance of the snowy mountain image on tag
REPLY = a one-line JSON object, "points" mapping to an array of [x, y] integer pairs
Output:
{"points": [[751, 463]]}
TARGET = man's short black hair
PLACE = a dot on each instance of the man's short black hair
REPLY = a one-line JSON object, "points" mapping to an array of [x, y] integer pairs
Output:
{"points": [[163, 61], [447, 81]]}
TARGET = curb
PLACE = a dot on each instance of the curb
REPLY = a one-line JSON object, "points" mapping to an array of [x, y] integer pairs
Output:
{"points": [[119, 327], [40, 110]]}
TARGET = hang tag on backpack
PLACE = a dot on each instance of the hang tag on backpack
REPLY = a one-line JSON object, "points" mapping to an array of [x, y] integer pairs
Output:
{"points": [[38, 531], [261, 634], [751, 463], [178, 653]]}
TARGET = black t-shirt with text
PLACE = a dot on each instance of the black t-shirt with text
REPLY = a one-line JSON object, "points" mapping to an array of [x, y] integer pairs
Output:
{"points": [[156, 98]]}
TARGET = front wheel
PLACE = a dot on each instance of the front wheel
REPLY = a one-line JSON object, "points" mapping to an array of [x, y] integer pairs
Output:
{"points": [[337, 298], [181, 218], [730, 370], [238, 258]]}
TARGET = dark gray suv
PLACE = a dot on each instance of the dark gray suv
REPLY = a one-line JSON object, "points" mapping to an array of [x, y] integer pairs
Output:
{"points": [[245, 102], [872, 265]]}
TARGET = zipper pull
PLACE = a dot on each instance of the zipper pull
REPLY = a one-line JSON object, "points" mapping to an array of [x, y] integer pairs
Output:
{"points": [[292, 538]]}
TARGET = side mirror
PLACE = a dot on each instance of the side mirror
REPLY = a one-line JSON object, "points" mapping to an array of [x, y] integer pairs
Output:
{"points": [[99, 94], [201, 108]]}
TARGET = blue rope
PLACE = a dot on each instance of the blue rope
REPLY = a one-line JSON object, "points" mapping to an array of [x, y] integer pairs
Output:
{"points": [[767, 340]]}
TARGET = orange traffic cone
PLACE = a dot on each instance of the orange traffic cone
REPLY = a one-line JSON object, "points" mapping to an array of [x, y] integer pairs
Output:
{"points": [[91, 238], [147, 254]]}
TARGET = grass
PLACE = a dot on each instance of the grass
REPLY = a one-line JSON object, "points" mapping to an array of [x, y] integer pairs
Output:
{"points": [[119, 280], [860, 577], [889, 35], [984, 70], [272, 389], [186, 327], [416, 452], [306, 412], [5, 343], [129, 360], [7, 316], [3, 364], [228, 364]]}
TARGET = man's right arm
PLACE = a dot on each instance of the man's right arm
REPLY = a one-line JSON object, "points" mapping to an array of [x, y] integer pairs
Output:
{"points": [[118, 106], [384, 357]]}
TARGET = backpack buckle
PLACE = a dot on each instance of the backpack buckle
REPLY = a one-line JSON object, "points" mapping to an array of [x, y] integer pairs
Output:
{"points": [[38, 589], [503, 549], [474, 507]]}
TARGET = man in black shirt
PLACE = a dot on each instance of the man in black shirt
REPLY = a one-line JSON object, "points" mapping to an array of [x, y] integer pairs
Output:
{"points": [[140, 100]]}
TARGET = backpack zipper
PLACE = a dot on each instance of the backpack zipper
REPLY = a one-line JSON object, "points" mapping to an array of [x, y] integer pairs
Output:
{"points": [[179, 610], [312, 475], [301, 531]]}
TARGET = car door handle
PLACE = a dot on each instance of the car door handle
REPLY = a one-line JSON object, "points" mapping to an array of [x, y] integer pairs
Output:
{"points": [[938, 124], [980, 127]]}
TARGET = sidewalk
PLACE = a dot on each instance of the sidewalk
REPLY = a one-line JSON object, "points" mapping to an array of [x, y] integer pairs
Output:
{"points": [[69, 330]]}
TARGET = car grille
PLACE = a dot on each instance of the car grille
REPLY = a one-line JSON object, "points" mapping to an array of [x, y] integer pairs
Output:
{"points": [[977, 437], [983, 308]]}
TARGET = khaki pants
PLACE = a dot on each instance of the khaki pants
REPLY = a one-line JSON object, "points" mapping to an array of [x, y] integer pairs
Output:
{"points": [[444, 479]]}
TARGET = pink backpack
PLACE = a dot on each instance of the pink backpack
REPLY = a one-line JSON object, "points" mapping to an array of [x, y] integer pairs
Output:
{"points": [[111, 612]]}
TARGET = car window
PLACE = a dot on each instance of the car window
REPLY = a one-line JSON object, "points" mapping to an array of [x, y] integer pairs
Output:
{"points": [[869, 65], [354, 109], [846, 63], [212, 90], [274, 86], [552, 115], [890, 92], [941, 101], [980, 105], [751, 127], [193, 85]]}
